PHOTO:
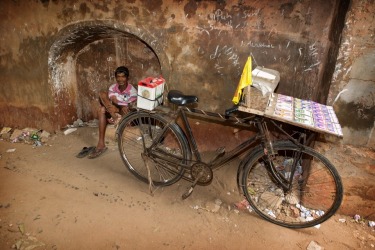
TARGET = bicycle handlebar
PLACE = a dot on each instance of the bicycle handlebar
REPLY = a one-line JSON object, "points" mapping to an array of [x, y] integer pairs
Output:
{"points": [[230, 110]]}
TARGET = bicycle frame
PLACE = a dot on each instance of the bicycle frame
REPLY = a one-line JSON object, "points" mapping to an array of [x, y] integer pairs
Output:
{"points": [[261, 136], [218, 161], [181, 112]]}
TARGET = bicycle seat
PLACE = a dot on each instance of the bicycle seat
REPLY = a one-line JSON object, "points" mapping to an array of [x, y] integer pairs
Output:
{"points": [[178, 98]]}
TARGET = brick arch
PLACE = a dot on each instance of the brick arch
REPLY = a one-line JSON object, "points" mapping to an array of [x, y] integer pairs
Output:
{"points": [[67, 44]]}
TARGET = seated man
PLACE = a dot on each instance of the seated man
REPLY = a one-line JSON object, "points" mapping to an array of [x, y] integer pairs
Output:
{"points": [[114, 103]]}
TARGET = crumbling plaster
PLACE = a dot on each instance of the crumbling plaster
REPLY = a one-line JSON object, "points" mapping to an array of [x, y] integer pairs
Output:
{"points": [[352, 92], [201, 47]]}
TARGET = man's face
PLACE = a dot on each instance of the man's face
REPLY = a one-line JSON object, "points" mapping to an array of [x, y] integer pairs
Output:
{"points": [[121, 79]]}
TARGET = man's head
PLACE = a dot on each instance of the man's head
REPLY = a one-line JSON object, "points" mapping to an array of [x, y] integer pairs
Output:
{"points": [[122, 69], [122, 75]]}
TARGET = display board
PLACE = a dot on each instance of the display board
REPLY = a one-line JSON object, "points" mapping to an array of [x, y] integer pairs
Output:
{"points": [[302, 113]]}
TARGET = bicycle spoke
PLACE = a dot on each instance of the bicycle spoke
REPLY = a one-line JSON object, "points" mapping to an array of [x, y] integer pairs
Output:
{"points": [[314, 194], [137, 133]]}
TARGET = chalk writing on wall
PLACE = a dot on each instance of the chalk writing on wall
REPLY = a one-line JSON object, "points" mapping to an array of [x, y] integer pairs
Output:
{"points": [[313, 53], [260, 45], [224, 55], [223, 17], [250, 13]]}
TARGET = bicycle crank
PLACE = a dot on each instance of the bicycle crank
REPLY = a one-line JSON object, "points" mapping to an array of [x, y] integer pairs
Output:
{"points": [[191, 189], [201, 174]]}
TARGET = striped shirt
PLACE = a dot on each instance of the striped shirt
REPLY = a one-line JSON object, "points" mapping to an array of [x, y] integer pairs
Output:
{"points": [[124, 97]]}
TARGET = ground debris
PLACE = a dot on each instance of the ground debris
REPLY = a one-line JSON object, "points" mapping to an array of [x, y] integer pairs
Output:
{"points": [[26, 135], [215, 206], [314, 246], [27, 244]]}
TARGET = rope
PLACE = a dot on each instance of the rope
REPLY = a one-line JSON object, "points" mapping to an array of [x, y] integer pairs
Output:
{"points": [[151, 185]]}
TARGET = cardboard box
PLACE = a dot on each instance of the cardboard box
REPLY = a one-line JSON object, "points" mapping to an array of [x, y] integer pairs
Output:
{"points": [[150, 92]]}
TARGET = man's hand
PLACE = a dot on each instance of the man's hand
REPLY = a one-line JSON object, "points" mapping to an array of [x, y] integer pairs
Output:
{"points": [[114, 100], [132, 105], [125, 109], [112, 109]]}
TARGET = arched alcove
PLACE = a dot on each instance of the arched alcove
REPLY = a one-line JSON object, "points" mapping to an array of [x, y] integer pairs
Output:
{"points": [[83, 57]]}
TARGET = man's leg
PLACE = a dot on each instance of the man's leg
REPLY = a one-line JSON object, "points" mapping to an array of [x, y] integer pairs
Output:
{"points": [[100, 147], [102, 127]]}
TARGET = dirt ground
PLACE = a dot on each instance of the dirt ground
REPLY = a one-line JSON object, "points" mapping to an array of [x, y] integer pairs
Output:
{"points": [[49, 199]]}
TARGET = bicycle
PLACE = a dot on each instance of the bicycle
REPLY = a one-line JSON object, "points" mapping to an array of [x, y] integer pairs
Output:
{"points": [[284, 181]]}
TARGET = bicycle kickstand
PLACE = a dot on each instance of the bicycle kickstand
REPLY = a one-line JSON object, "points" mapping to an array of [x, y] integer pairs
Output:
{"points": [[191, 188]]}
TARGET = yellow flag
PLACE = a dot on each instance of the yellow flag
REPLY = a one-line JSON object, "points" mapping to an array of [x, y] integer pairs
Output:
{"points": [[244, 81]]}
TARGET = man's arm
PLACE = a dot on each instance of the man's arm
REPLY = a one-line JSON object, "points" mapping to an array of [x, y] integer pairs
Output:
{"points": [[114, 100]]}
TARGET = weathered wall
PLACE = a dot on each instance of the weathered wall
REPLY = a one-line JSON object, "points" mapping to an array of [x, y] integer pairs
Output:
{"points": [[56, 56], [352, 95], [353, 84]]}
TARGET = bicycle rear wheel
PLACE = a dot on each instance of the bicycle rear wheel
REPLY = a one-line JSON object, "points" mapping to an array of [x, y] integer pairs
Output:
{"points": [[138, 131], [315, 194]]}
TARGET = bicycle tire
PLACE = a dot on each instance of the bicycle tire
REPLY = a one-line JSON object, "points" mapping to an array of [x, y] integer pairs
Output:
{"points": [[131, 145], [316, 192]]}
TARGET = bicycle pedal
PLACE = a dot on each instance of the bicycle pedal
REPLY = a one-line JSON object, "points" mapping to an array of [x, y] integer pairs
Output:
{"points": [[191, 189], [188, 193]]}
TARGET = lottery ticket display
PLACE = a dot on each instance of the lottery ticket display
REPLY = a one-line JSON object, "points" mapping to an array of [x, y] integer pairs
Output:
{"points": [[308, 113]]}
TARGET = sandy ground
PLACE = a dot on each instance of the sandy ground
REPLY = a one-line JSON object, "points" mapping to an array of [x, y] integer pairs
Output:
{"points": [[49, 199]]}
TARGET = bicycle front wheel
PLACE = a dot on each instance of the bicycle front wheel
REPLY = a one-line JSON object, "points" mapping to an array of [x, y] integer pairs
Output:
{"points": [[314, 195], [138, 131]]}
